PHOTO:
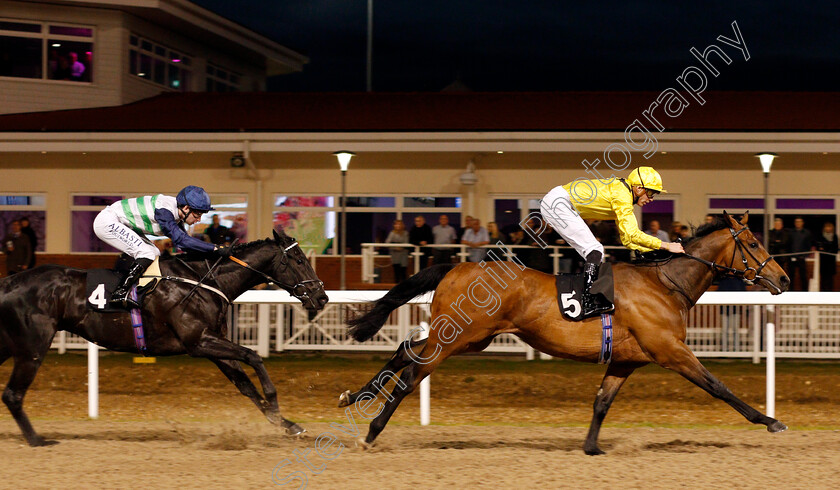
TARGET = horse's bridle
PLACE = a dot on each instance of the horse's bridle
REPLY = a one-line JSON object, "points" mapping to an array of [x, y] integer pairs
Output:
{"points": [[299, 290], [748, 274]]}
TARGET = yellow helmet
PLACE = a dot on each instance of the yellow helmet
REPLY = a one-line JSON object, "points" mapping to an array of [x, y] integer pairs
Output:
{"points": [[646, 177]]}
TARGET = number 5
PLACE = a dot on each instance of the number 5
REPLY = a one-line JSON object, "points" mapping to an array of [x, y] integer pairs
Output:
{"points": [[569, 302]]}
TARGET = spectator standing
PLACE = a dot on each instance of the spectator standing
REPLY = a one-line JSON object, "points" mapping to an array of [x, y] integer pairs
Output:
{"points": [[685, 234], [779, 243], [655, 231], [17, 248], [495, 236], [676, 231], [219, 234], [444, 235], [801, 241], [399, 256], [467, 220], [474, 237], [27, 230], [77, 68], [421, 235], [827, 242]]}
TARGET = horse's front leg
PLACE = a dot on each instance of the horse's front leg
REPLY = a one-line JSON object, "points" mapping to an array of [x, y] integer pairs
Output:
{"points": [[676, 356], [219, 349]]}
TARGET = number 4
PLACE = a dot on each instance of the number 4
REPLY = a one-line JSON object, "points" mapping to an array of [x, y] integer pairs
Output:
{"points": [[97, 297]]}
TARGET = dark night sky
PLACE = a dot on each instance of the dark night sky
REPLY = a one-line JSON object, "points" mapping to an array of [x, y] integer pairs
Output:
{"points": [[507, 45]]}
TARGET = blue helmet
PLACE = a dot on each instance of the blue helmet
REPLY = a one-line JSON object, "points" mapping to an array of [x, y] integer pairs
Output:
{"points": [[195, 197]]}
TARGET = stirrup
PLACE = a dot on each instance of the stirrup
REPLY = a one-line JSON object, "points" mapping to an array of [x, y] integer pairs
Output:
{"points": [[124, 300], [595, 305]]}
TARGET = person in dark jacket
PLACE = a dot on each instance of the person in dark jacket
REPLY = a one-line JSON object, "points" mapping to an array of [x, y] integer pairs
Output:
{"points": [[33, 238], [17, 249], [421, 234], [801, 241], [827, 243], [780, 243]]}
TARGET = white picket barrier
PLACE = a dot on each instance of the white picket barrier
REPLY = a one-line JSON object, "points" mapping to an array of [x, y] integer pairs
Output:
{"points": [[261, 301]]}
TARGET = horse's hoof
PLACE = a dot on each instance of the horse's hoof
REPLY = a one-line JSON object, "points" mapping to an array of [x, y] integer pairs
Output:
{"points": [[776, 426], [295, 430], [344, 399], [41, 442], [360, 442], [596, 451]]}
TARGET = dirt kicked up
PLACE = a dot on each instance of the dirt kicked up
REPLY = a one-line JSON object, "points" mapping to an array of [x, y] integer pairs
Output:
{"points": [[497, 423]]}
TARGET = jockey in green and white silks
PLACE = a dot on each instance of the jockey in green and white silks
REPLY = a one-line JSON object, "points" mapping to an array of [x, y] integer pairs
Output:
{"points": [[124, 224]]}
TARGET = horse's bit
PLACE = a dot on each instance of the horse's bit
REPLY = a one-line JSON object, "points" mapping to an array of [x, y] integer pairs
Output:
{"points": [[748, 274]]}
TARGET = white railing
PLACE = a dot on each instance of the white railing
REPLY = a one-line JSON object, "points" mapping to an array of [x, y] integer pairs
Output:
{"points": [[560, 260], [723, 324]]}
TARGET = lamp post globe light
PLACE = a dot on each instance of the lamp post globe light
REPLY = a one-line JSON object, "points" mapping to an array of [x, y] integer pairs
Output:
{"points": [[344, 158], [766, 160]]}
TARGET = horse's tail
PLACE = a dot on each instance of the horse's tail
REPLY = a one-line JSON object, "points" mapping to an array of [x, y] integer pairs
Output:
{"points": [[366, 326]]}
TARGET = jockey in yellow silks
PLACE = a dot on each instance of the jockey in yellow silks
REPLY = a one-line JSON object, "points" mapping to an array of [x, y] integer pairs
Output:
{"points": [[565, 207]]}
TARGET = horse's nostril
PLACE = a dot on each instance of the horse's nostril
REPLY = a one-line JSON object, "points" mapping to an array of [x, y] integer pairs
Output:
{"points": [[785, 282]]}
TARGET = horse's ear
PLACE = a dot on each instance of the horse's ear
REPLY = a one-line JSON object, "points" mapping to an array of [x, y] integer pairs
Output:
{"points": [[745, 218], [729, 219], [276, 236]]}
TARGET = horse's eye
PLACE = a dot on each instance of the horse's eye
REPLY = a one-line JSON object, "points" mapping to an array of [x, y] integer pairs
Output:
{"points": [[754, 245]]}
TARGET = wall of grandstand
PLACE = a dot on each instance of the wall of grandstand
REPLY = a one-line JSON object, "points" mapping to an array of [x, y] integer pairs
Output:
{"points": [[690, 177]]}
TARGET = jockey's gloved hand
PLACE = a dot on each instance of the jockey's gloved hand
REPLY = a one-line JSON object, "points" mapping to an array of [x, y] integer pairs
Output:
{"points": [[223, 251]]}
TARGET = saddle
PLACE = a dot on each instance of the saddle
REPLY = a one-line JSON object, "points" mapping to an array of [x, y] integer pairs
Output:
{"points": [[101, 283], [570, 289]]}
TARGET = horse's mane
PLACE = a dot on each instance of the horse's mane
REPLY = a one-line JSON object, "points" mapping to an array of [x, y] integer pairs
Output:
{"points": [[191, 256], [718, 223]]}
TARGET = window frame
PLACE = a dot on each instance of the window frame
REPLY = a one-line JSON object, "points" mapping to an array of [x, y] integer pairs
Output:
{"points": [[45, 36]]}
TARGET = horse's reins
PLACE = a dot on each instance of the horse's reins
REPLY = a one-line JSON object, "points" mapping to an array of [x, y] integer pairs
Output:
{"points": [[304, 294], [740, 273]]}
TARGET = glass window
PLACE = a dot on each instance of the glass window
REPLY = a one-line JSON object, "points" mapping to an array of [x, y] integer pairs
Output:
{"points": [[160, 65], [30, 207], [314, 229], [71, 31], [70, 60], [304, 201], [68, 49], [370, 202], [22, 57], [232, 212], [221, 79], [432, 202], [19, 26]]}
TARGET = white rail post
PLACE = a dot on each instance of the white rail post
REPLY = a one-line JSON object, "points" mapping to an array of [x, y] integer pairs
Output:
{"points": [[756, 334], [62, 342], [280, 328], [93, 380], [770, 338], [263, 330], [425, 386]]}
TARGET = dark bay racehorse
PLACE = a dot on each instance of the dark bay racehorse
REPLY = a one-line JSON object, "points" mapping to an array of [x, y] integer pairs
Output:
{"points": [[649, 325], [37, 303]]}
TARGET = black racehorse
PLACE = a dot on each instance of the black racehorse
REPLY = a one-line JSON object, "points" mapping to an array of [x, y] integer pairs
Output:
{"points": [[178, 317]]}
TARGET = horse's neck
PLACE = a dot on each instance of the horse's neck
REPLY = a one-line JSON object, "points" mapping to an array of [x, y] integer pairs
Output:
{"points": [[235, 279], [230, 277], [692, 278]]}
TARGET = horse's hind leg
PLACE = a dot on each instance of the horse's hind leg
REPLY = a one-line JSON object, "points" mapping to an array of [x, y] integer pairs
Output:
{"points": [[398, 361], [678, 357], [26, 367], [432, 355], [615, 377]]}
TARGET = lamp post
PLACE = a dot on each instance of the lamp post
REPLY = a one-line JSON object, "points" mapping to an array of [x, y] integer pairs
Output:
{"points": [[766, 160], [343, 162]]}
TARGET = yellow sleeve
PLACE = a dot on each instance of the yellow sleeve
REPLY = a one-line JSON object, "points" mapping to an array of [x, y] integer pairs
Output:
{"points": [[628, 229]]}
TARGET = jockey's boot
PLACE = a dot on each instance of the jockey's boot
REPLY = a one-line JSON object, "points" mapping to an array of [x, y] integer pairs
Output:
{"points": [[593, 304], [120, 295]]}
